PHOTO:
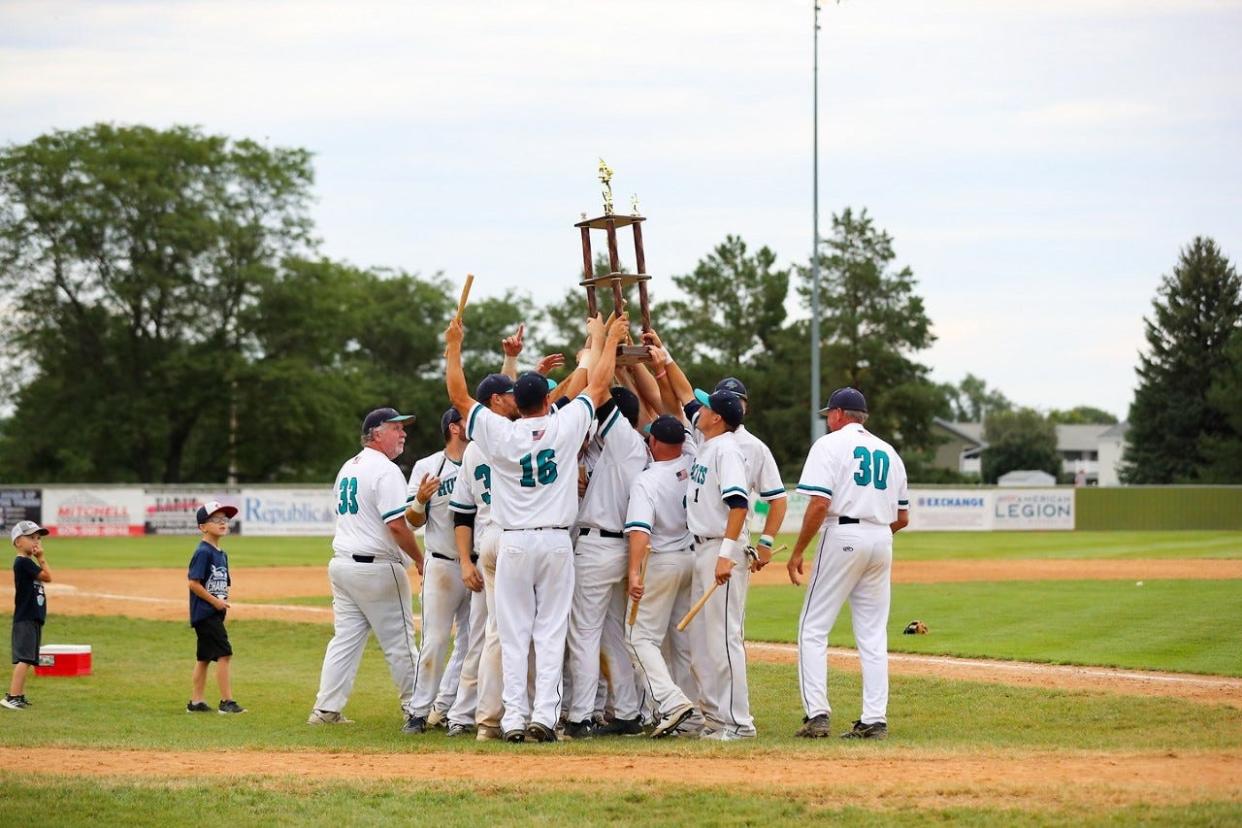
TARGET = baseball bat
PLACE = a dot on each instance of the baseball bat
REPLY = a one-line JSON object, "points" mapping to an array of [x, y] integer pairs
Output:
{"points": [[698, 605], [465, 294], [642, 579]]}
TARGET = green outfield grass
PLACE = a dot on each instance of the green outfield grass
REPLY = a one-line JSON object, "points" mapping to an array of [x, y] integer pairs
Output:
{"points": [[137, 696], [244, 551], [242, 801], [1163, 625]]}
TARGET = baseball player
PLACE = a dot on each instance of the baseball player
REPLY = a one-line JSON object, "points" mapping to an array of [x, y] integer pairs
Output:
{"points": [[479, 692], [858, 482], [596, 618], [534, 501], [656, 517], [717, 505], [372, 547], [445, 598]]}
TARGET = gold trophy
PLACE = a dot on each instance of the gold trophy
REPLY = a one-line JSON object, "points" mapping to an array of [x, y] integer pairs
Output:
{"points": [[615, 279]]}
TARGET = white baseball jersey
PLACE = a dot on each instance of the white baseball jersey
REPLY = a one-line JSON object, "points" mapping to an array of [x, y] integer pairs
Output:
{"points": [[761, 471], [438, 530], [534, 463], [658, 504], [474, 494], [622, 454], [861, 473], [719, 471], [370, 491]]}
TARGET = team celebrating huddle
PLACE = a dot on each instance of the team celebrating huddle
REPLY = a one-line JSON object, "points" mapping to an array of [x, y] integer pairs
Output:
{"points": [[570, 528]]}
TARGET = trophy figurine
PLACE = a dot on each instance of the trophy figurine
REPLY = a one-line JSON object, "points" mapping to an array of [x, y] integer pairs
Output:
{"points": [[616, 280]]}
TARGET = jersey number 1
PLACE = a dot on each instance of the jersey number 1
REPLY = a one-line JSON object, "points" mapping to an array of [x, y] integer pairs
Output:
{"points": [[349, 496], [872, 467], [546, 461]]}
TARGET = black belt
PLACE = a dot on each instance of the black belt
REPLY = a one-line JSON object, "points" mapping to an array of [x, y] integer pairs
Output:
{"points": [[700, 540], [540, 529], [846, 521], [364, 558], [473, 557], [603, 533]]}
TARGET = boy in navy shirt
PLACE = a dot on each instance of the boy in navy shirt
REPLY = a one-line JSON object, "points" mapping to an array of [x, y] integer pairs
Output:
{"points": [[209, 602], [30, 573]]}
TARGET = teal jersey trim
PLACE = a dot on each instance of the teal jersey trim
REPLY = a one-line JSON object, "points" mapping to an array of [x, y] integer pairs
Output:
{"points": [[772, 493], [616, 415], [474, 415], [587, 402], [400, 510], [802, 487], [738, 489], [462, 507], [638, 524]]}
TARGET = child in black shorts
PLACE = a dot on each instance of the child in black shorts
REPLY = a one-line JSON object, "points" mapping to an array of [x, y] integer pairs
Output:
{"points": [[209, 602], [30, 573]]}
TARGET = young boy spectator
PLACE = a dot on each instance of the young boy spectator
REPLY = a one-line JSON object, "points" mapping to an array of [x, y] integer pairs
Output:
{"points": [[209, 603], [30, 573]]}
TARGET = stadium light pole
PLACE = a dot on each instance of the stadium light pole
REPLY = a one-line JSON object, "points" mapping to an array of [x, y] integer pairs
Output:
{"points": [[817, 426]]}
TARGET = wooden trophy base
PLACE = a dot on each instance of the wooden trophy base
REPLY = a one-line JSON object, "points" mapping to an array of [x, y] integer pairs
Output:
{"points": [[633, 354]]}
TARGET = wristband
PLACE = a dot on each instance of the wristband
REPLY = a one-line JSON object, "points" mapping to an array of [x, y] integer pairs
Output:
{"points": [[509, 365], [418, 506], [767, 540], [730, 549]]}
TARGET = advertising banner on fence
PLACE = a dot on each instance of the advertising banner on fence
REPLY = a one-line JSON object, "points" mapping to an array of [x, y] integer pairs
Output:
{"points": [[950, 510], [19, 504], [1033, 509], [306, 511], [97, 512], [173, 511]]}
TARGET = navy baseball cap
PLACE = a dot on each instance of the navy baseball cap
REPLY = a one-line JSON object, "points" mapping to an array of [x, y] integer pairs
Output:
{"points": [[530, 389], [725, 403], [385, 415], [848, 399], [627, 401], [447, 419], [211, 507], [667, 429], [732, 384], [491, 385]]}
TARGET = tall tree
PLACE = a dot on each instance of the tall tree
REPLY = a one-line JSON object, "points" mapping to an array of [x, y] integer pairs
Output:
{"points": [[1081, 415], [1197, 309], [1021, 439], [130, 253], [872, 323], [972, 400], [1222, 453]]}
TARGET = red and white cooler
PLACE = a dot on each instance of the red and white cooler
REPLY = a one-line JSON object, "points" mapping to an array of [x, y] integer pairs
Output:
{"points": [[64, 660]]}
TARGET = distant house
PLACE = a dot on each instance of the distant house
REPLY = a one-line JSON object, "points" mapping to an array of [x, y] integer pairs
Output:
{"points": [[1093, 450]]}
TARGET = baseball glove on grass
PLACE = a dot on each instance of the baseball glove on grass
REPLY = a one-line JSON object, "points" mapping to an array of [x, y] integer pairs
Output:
{"points": [[915, 628]]}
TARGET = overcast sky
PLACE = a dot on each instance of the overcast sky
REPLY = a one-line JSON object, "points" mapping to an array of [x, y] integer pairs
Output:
{"points": [[1039, 164]]}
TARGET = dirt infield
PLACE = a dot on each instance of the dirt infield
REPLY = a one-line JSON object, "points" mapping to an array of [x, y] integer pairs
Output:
{"points": [[861, 777]]}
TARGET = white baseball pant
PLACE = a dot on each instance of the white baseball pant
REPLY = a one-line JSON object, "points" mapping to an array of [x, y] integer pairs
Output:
{"points": [[853, 563], [597, 628], [666, 597], [718, 651], [365, 597], [534, 589], [445, 600]]}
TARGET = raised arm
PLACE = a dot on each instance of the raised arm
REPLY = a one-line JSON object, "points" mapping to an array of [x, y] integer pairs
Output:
{"points": [[599, 379], [454, 376], [647, 388], [683, 391]]}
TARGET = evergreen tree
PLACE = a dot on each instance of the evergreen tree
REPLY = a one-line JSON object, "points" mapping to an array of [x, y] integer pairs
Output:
{"points": [[1198, 308]]}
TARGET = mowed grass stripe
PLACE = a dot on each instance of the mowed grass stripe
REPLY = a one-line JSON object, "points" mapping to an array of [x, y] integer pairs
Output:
{"points": [[136, 699], [247, 550], [1175, 625]]}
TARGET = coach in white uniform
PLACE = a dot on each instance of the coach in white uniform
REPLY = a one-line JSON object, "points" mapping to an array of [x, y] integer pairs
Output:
{"points": [[534, 501], [597, 615], [716, 507], [858, 482], [479, 701], [657, 517], [445, 598], [371, 549]]}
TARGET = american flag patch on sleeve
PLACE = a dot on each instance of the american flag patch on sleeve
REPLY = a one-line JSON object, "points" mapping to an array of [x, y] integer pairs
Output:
{"points": [[683, 474], [537, 434]]}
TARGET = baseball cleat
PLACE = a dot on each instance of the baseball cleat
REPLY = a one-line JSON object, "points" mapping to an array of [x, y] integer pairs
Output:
{"points": [[11, 702], [414, 724], [622, 727], [228, 706], [436, 718], [459, 729], [667, 726], [874, 730], [584, 729], [25, 701], [815, 727], [488, 733], [197, 707], [515, 735], [537, 732], [322, 717]]}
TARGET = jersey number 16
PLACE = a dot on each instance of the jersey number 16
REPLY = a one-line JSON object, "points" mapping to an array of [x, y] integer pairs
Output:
{"points": [[546, 460]]}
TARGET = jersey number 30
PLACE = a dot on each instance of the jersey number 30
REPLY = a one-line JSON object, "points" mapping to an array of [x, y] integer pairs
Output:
{"points": [[349, 496], [546, 461], [872, 467]]}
